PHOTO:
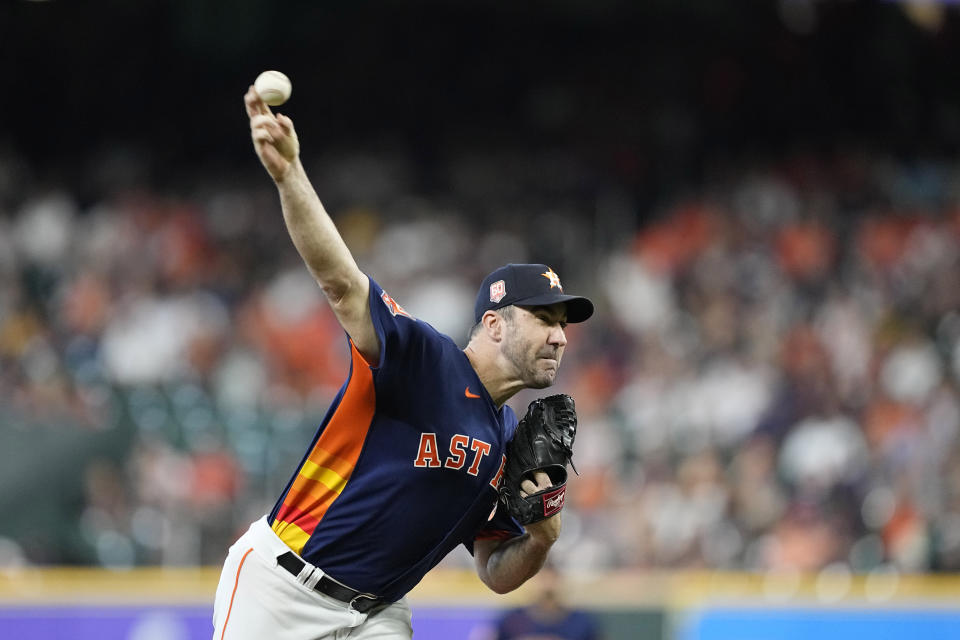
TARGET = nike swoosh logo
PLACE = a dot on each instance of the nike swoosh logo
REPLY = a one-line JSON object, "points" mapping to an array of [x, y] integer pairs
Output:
{"points": [[467, 393]]}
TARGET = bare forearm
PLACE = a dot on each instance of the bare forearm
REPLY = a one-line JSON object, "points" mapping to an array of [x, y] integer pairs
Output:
{"points": [[311, 229], [328, 258], [314, 234], [513, 562]]}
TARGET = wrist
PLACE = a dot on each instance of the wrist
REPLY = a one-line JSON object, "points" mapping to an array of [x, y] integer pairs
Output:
{"points": [[544, 533], [293, 171]]}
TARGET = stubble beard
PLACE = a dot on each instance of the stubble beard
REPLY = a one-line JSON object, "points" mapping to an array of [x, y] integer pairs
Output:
{"points": [[524, 360]]}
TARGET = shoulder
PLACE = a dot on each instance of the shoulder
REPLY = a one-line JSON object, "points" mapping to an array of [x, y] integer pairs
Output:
{"points": [[393, 321]]}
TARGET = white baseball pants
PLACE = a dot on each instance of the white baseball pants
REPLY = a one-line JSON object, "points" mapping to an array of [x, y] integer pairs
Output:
{"points": [[257, 599]]}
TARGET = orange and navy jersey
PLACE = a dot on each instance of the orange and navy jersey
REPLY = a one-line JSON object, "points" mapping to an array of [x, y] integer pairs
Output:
{"points": [[405, 465]]}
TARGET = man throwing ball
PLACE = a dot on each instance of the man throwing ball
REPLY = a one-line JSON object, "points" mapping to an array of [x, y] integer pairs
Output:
{"points": [[413, 457]]}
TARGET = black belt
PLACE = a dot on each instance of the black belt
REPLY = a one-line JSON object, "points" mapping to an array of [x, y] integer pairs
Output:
{"points": [[362, 602]]}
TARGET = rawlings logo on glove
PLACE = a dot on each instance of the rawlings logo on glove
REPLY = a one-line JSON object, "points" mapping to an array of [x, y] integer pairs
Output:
{"points": [[543, 442], [552, 505]]}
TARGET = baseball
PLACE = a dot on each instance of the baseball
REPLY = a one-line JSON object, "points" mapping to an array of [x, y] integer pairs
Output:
{"points": [[273, 87]]}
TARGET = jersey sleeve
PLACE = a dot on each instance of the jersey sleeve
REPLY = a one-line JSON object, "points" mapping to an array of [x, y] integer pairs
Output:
{"points": [[500, 527], [399, 333]]}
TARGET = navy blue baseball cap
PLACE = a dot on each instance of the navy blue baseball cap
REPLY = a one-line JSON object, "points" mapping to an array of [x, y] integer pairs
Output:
{"points": [[527, 285]]}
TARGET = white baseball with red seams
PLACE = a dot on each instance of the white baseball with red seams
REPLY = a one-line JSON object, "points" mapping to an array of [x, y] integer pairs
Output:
{"points": [[273, 87]]}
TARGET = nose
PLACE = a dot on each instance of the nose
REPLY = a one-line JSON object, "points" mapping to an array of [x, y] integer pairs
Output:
{"points": [[558, 336]]}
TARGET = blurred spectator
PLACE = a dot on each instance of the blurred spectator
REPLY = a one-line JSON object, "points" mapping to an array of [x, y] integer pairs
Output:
{"points": [[547, 616], [771, 383]]}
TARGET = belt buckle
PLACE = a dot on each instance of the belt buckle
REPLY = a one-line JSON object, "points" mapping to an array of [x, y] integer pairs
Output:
{"points": [[372, 598]]}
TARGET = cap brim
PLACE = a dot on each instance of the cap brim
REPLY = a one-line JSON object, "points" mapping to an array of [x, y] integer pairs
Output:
{"points": [[578, 307]]}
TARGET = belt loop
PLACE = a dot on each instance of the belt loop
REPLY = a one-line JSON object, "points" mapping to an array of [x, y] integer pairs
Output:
{"points": [[309, 575], [314, 578]]}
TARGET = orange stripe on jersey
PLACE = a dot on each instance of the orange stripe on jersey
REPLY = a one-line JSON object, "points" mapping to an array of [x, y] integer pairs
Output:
{"points": [[308, 501], [333, 478], [294, 536], [331, 462], [298, 520], [326, 459]]}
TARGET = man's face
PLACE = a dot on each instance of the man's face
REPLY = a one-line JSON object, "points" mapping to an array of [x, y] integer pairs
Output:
{"points": [[534, 343]]}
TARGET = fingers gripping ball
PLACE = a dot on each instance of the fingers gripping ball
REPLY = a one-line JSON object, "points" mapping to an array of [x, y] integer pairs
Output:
{"points": [[273, 87], [543, 442]]}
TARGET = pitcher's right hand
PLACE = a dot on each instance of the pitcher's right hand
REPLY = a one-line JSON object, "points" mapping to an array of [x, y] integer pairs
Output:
{"points": [[274, 138]]}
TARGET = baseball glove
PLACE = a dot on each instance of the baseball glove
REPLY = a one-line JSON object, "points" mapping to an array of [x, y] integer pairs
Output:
{"points": [[543, 442]]}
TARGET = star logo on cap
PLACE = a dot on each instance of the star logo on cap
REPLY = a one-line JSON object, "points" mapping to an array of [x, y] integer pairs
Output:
{"points": [[553, 278]]}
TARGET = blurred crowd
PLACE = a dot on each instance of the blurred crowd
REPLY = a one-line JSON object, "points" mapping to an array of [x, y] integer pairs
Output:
{"points": [[770, 381]]}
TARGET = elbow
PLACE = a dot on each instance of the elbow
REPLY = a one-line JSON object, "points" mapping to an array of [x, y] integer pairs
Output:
{"points": [[340, 288], [505, 566], [494, 580], [335, 290], [500, 587], [501, 581]]}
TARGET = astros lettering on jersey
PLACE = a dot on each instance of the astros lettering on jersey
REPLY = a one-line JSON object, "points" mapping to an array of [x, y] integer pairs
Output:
{"points": [[369, 516]]}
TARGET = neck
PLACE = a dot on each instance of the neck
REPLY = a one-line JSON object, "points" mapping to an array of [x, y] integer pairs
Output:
{"points": [[500, 386]]}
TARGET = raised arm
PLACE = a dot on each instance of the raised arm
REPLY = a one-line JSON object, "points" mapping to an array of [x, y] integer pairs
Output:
{"points": [[311, 229]]}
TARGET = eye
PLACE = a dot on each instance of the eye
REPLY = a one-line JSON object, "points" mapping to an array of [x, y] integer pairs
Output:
{"points": [[549, 320]]}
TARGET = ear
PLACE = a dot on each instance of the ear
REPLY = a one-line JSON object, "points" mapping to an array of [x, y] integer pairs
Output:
{"points": [[492, 325]]}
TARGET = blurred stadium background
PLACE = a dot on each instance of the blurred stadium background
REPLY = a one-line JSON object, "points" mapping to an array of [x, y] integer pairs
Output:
{"points": [[762, 197]]}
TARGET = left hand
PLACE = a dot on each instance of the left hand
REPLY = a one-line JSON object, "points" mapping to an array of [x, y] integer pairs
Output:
{"points": [[547, 530]]}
